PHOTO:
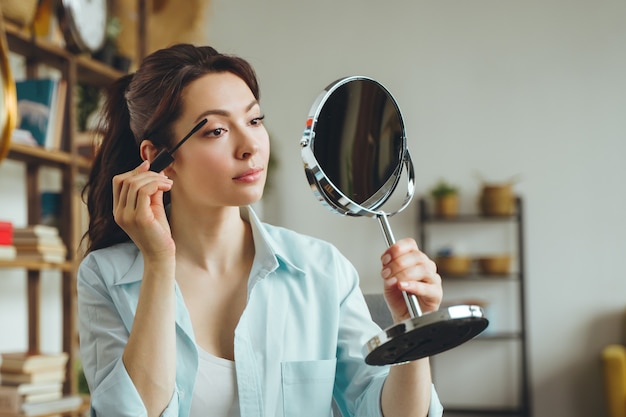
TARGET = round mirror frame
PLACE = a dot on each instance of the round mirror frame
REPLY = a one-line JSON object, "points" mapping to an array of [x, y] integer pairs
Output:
{"points": [[323, 188], [8, 97]]}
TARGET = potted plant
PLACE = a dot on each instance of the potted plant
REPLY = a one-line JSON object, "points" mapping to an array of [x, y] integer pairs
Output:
{"points": [[88, 102], [446, 198], [109, 53]]}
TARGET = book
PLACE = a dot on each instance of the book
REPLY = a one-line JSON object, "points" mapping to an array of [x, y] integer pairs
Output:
{"points": [[12, 401], [21, 362], [48, 408], [55, 258], [7, 378], [36, 106], [31, 241], [40, 247], [63, 404], [23, 137], [50, 208], [35, 230], [36, 388], [6, 233], [8, 252], [58, 116]]}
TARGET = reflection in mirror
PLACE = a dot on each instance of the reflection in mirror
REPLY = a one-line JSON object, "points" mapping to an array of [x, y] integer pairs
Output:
{"points": [[354, 152], [363, 141]]}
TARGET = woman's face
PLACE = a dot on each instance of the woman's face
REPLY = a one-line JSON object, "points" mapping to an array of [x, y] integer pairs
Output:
{"points": [[225, 162]]}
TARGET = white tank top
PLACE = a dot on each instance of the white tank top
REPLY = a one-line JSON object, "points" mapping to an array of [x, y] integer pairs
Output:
{"points": [[215, 392]]}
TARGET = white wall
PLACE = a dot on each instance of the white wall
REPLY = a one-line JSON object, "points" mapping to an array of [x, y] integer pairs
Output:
{"points": [[535, 88]]}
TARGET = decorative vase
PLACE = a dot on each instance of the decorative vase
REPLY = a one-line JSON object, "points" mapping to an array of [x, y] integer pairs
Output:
{"points": [[497, 200], [447, 206]]}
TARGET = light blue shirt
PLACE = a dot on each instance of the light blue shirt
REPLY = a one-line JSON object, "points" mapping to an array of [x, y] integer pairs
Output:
{"points": [[298, 343]]}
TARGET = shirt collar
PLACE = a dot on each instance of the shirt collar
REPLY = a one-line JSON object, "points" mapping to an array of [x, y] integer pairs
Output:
{"points": [[270, 254], [268, 257]]}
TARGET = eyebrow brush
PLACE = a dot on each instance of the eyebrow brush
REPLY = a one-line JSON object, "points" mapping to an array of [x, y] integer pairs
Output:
{"points": [[164, 158]]}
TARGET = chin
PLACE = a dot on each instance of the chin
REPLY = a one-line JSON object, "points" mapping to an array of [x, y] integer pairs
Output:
{"points": [[252, 198]]}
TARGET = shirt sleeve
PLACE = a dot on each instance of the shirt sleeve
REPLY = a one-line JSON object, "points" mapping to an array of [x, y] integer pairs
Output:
{"points": [[357, 385], [103, 336]]}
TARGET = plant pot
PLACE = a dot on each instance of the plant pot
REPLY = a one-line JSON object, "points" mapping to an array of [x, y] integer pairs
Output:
{"points": [[447, 206], [453, 265], [495, 265], [497, 200]]}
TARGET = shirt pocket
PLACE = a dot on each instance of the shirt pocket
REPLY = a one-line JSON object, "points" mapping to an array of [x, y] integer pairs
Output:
{"points": [[308, 387]]}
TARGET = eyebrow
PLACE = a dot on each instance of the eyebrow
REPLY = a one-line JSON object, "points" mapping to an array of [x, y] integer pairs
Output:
{"points": [[220, 112]]}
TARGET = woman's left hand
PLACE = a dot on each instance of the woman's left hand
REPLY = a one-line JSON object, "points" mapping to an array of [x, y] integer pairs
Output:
{"points": [[406, 268]]}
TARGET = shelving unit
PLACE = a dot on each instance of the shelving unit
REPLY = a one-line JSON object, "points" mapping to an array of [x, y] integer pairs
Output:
{"points": [[74, 69], [463, 368]]}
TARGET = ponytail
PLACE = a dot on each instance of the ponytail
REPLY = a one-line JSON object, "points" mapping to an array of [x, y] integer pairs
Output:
{"points": [[118, 153]]}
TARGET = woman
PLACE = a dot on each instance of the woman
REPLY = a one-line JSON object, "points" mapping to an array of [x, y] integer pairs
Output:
{"points": [[188, 304]]}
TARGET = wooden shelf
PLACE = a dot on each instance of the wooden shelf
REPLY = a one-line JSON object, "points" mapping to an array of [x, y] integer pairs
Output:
{"points": [[95, 72], [38, 155], [23, 43], [35, 265], [482, 277], [428, 224], [88, 70], [481, 412], [39, 56]]}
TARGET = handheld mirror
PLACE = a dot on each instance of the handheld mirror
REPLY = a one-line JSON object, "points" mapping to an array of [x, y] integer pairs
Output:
{"points": [[354, 152]]}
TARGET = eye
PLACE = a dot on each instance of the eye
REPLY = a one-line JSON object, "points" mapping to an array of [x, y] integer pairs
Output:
{"points": [[257, 120], [215, 132]]}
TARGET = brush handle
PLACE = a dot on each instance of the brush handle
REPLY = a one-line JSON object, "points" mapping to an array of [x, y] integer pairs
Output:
{"points": [[164, 158], [162, 161]]}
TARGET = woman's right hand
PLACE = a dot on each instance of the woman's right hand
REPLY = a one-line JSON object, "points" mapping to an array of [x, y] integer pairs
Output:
{"points": [[138, 209]]}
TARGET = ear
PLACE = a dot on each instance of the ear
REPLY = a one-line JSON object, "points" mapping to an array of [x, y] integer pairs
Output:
{"points": [[147, 150]]}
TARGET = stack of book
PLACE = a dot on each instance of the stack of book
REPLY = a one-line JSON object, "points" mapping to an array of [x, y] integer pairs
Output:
{"points": [[39, 243], [32, 385], [7, 250]]}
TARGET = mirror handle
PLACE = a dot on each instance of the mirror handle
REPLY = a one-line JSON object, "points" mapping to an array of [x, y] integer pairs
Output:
{"points": [[410, 299]]}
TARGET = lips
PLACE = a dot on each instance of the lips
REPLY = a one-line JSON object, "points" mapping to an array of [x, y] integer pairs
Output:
{"points": [[250, 175]]}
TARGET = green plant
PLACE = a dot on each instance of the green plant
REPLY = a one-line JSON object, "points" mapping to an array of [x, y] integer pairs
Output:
{"points": [[83, 388], [113, 29], [88, 102], [443, 189]]}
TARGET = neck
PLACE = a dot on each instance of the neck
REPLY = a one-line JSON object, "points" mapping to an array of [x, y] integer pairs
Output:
{"points": [[215, 240]]}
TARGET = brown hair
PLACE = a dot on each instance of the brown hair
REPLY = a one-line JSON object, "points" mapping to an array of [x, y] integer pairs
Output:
{"points": [[142, 106]]}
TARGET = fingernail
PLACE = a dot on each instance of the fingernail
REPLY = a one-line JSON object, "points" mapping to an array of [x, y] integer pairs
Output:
{"points": [[386, 272], [404, 285], [386, 259]]}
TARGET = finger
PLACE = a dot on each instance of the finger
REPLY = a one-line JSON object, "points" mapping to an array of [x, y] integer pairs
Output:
{"points": [[399, 248], [119, 180], [137, 189], [141, 191], [150, 196]]}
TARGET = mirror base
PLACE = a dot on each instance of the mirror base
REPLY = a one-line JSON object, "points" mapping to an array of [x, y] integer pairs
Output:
{"points": [[424, 336]]}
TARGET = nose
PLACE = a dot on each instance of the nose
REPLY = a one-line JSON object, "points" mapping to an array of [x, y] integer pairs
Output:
{"points": [[247, 143]]}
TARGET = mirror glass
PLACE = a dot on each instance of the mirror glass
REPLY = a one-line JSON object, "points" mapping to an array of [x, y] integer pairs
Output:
{"points": [[359, 140]]}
